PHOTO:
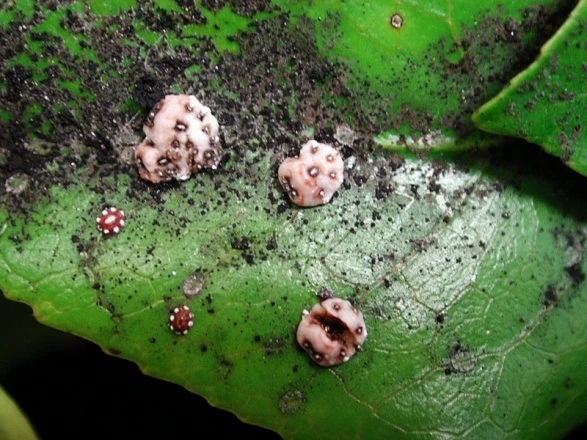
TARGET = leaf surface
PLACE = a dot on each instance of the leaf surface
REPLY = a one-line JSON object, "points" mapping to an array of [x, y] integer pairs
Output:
{"points": [[462, 286], [420, 81], [468, 271], [547, 103]]}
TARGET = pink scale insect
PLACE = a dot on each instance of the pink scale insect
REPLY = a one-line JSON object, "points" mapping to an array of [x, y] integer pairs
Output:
{"points": [[111, 221]]}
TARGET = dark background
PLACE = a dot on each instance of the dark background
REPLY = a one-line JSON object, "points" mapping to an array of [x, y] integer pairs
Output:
{"points": [[70, 389]]}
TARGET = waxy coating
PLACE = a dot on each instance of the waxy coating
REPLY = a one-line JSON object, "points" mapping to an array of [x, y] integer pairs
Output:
{"points": [[312, 178], [181, 320], [331, 332], [182, 138], [111, 221]]}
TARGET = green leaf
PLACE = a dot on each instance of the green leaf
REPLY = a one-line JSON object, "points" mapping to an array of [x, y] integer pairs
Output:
{"points": [[470, 273], [415, 85], [13, 423], [421, 81], [464, 277], [547, 103]]}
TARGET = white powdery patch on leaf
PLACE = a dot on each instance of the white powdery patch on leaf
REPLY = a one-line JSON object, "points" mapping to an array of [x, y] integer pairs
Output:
{"points": [[428, 141], [182, 138]]}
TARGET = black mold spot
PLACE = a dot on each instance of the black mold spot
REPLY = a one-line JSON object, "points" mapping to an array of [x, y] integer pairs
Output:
{"points": [[214, 5], [384, 189], [249, 258], [148, 91], [576, 273], [248, 8], [493, 51], [16, 79], [550, 297], [241, 244], [271, 244]]}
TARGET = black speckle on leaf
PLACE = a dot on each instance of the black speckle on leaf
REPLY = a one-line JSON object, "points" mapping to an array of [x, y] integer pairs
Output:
{"points": [[16, 79], [271, 244], [241, 244], [148, 91], [576, 273], [550, 297]]}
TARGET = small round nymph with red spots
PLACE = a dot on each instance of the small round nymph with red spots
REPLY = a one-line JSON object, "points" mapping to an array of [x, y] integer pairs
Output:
{"points": [[111, 221], [181, 320]]}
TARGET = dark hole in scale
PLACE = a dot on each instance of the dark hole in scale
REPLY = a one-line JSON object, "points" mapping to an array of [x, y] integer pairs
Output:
{"points": [[396, 21]]}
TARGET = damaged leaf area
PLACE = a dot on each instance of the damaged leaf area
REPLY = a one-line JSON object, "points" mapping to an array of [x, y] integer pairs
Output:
{"points": [[464, 280], [546, 103], [419, 69], [428, 67], [469, 273]]}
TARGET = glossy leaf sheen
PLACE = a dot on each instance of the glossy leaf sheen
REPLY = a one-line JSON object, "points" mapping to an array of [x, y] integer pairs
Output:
{"points": [[482, 257], [471, 276], [547, 103]]}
